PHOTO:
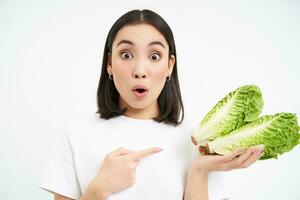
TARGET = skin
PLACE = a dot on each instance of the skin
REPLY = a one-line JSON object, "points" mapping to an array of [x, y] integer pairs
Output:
{"points": [[197, 180], [139, 63], [135, 63]]}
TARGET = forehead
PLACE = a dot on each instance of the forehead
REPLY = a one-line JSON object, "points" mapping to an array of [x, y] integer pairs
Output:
{"points": [[140, 34]]}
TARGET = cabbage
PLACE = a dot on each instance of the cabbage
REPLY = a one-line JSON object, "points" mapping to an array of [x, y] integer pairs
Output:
{"points": [[237, 108], [278, 133]]}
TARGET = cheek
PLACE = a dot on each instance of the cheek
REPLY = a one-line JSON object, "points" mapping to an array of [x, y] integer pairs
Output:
{"points": [[121, 74], [159, 70], [159, 77]]}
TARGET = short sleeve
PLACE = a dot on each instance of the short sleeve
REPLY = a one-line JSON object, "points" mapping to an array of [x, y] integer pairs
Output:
{"points": [[60, 176]]}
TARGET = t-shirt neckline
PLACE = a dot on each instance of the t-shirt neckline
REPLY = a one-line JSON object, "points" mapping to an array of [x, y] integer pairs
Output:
{"points": [[136, 119]]}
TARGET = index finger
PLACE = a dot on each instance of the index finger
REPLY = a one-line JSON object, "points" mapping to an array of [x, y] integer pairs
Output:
{"points": [[144, 153]]}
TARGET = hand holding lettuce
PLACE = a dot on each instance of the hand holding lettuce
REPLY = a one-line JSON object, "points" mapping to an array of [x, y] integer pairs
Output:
{"points": [[234, 122]]}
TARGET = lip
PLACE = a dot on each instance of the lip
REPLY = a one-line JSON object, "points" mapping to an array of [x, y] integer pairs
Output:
{"points": [[139, 87], [137, 94]]}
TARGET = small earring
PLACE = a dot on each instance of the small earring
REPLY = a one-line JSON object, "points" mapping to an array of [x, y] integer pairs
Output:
{"points": [[110, 77], [168, 78]]}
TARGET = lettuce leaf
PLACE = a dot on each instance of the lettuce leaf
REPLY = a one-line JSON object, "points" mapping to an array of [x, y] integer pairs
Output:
{"points": [[278, 133], [236, 109]]}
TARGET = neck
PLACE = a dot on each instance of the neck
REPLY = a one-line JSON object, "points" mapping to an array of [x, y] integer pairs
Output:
{"points": [[149, 112]]}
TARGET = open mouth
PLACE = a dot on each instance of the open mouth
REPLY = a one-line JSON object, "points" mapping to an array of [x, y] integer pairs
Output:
{"points": [[140, 90]]}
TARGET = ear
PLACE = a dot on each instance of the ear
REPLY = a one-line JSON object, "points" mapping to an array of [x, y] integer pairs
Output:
{"points": [[109, 66], [172, 61]]}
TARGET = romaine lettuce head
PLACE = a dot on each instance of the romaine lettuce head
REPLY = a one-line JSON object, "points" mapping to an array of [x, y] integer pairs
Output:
{"points": [[278, 133], [237, 108]]}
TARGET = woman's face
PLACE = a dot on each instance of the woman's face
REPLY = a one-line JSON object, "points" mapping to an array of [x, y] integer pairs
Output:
{"points": [[140, 59]]}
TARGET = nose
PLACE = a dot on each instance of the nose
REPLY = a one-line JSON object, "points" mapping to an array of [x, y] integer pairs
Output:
{"points": [[139, 71], [138, 75]]}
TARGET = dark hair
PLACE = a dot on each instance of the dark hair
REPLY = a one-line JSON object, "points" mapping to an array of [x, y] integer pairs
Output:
{"points": [[169, 101]]}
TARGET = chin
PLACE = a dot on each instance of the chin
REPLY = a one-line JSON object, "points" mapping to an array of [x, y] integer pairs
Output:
{"points": [[139, 105], [133, 103]]}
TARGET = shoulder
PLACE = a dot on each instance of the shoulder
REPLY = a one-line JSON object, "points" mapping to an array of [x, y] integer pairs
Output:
{"points": [[86, 126], [186, 125]]}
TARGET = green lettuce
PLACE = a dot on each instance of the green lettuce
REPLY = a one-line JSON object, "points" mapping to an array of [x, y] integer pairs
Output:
{"points": [[239, 107], [278, 133]]}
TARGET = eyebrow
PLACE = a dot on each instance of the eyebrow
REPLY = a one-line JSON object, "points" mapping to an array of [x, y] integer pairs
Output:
{"points": [[131, 43]]}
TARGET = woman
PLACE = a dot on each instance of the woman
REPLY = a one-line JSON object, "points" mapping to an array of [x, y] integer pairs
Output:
{"points": [[138, 148]]}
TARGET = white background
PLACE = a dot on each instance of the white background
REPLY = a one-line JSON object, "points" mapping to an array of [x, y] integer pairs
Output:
{"points": [[51, 54]]}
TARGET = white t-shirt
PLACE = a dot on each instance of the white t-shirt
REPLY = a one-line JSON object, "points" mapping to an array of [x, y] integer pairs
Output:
{"points": [[160, 176]]}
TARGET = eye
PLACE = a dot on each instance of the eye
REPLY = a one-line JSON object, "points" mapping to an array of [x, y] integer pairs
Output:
{"points": [[155, 56], [126, 55]]}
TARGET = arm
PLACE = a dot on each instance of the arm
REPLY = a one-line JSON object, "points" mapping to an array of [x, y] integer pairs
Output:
{"points": [[60, 197], [197, 179], [117, 173], [90, 194], [196, 186], [93, 193]]}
